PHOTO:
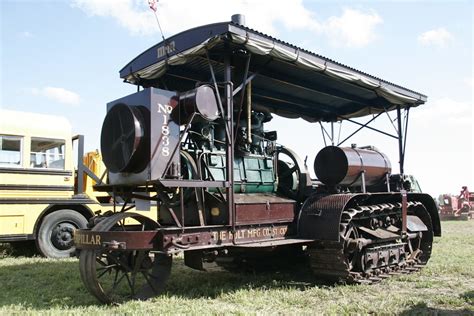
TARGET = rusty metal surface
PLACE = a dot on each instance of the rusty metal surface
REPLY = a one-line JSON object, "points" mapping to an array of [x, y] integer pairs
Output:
{"points": [[320, 216], [264, 213], [172, 240], [120, 240], [379, 233], [375, 260], [404, 211], [344, 166], [275, 243], [263, 208], [260, 198]]}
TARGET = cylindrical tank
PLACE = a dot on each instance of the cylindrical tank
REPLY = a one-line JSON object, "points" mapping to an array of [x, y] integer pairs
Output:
{"points": [[344, 165], [201, 100]]}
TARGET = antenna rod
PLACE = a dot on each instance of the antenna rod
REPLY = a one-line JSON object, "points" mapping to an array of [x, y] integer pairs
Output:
{"points": [[153, 4]]}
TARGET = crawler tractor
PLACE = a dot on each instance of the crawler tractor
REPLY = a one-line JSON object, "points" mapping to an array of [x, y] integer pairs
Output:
{"points": [[459, 207], [193, 139]]}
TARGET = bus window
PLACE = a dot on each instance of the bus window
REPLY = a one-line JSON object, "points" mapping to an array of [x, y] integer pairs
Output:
{"points": [[10, 151], [47, 153]]}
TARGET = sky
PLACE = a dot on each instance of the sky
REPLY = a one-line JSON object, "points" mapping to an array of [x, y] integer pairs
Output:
{"points": [[63, 57]]}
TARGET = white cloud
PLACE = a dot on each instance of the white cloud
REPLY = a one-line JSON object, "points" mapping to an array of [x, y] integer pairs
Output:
{"points": [[436, 37], [60, 95], [179, 15], [469, 82], [353, 28], [26, 34], [446, 111]]}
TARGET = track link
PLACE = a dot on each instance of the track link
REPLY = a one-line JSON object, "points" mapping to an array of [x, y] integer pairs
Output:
{"points": [[330, 261]]}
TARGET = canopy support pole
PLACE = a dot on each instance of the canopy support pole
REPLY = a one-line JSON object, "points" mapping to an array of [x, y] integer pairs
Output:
{"points": [[400, 140], [219, 102], [229, 120], [406, 132]]}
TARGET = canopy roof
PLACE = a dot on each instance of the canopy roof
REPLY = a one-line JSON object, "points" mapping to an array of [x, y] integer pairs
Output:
{"points": [[289, 81]]}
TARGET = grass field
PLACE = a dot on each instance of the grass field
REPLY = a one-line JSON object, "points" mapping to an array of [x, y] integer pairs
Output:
{"points": [[30, 285]]}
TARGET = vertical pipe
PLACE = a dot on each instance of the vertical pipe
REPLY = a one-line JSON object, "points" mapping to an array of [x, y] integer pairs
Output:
{"points": [[401, 155], [404, 211], [400, 140], [229, 120], [387, 179], [249, 112], [364, 188], [406, 131]]}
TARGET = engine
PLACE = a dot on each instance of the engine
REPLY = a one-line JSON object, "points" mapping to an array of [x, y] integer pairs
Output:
{"points": [[156, 134]]}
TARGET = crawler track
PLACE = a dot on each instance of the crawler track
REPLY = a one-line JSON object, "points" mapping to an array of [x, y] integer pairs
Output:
{"points": [[337, 262]]}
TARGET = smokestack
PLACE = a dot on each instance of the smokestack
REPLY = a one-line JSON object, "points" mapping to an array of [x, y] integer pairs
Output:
{"points": [[238, 19]]}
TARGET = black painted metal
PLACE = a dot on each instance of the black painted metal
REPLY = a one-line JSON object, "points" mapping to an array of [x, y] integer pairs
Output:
{"points": [[280, 79], [406, 132], [369, 127], [320, 216], [400, 140], [361, 127], [80, 164], [230, 138], [193, 37], [49, 172]]}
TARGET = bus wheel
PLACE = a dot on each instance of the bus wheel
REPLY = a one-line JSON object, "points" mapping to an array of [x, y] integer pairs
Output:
{"points": [[55, 235]]}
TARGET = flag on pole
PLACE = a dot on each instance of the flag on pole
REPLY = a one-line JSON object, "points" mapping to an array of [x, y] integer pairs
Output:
{"points": [[153, 4]]}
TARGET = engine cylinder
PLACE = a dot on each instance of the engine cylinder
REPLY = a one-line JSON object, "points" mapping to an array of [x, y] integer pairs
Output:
{"points": [[344, 166], [201, 100]]}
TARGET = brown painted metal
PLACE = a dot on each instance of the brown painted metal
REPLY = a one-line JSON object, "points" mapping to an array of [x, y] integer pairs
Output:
{"points": [[119, 240], [174, 239], [344, 166], [263, 208], [404, 211]]}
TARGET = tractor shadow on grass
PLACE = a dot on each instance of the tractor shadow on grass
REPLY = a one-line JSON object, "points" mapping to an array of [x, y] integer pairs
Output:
{"points": [[191, 284], [423, 309], [43, 283]]}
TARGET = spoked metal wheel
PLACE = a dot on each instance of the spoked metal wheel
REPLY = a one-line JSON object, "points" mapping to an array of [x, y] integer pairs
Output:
{"points": [[419, 249], [351, 252], [114, 276]]}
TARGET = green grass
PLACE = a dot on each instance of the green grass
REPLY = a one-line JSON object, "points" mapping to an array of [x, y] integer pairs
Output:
{"points": [[30, 285]]}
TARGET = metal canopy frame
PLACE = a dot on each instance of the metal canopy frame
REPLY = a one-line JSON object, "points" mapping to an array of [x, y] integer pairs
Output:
{"points": [[286, 77], [401, 132]]}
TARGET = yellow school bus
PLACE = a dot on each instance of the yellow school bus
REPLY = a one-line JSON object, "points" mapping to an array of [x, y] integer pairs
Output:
{"points": [[44, 194]]}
